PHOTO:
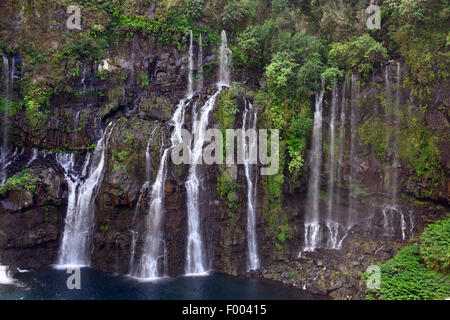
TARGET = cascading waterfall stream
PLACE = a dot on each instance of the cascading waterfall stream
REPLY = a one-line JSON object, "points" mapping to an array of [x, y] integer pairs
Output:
{"points": [[312, 223], [396, 119], [195, 264], [149, 266], [8, 77], [341, 134], [393, 208], [249, 149], [224, 58], [194, 257], [34, 155], [332, 224], [80, 217], [142, 192], [352, 152], [200, 64]]}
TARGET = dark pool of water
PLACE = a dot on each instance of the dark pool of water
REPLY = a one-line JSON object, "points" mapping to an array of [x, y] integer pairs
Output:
{"points": [[50, 283]]}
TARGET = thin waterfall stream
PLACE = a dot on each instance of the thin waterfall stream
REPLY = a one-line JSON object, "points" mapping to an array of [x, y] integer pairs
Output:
{"points": [[251, 177], [312, 219], [331, 223], [5, 152]]}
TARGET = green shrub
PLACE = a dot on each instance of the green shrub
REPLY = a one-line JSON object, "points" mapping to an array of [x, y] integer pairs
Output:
{"points": [[234, 13], [23, 180], [405, 278], [195, 9], [297, 139], [435, 246], [358, 54]]}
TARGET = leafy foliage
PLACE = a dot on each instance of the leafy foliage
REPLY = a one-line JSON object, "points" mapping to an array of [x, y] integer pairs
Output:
{"points": [[419, 30], [435, 246], [195, 9], [405, 278], [375, 133], [23, 180], [359, 54], [297, 140]]}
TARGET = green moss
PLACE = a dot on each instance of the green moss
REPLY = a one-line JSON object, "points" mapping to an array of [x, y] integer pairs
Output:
{"points": [[144, 81], [374, 132], [23, 180], [227, 190], [419, 147]]}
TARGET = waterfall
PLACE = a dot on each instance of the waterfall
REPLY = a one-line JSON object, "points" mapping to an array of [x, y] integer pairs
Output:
{"points": [[392, 118], [34, 155], [352, 154], [312, 223], [117, 266], [341, 138], [194, 251], [191, 66], [396, 119], [83, 77], [224, 57], [200, 64], [80, 219], [399, 225], [144, 187], [253, 259], [4, 275], [333, 227], [194, 259], [149, 266], [392, 209], [134, 237], [8, 77]]}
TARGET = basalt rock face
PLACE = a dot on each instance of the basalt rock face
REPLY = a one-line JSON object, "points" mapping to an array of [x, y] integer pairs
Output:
{"points": [[138, 88]]}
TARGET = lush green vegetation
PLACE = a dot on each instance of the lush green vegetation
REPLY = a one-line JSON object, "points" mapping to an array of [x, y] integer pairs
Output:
{"points": [[435, 246], [23, 180], [359, 54], [412, 273]]}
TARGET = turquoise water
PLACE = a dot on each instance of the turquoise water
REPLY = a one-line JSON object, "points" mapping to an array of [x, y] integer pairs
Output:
{"points": [[49, 283]]}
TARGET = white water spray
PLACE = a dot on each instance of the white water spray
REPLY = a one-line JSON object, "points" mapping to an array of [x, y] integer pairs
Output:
{"points": [[195, 264], [149, 266], [312, 223], [80, 217], [253, 259]]}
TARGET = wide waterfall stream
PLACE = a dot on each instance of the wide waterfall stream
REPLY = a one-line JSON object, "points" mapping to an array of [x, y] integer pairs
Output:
{"points": [[195, 258], [77, 237]]}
